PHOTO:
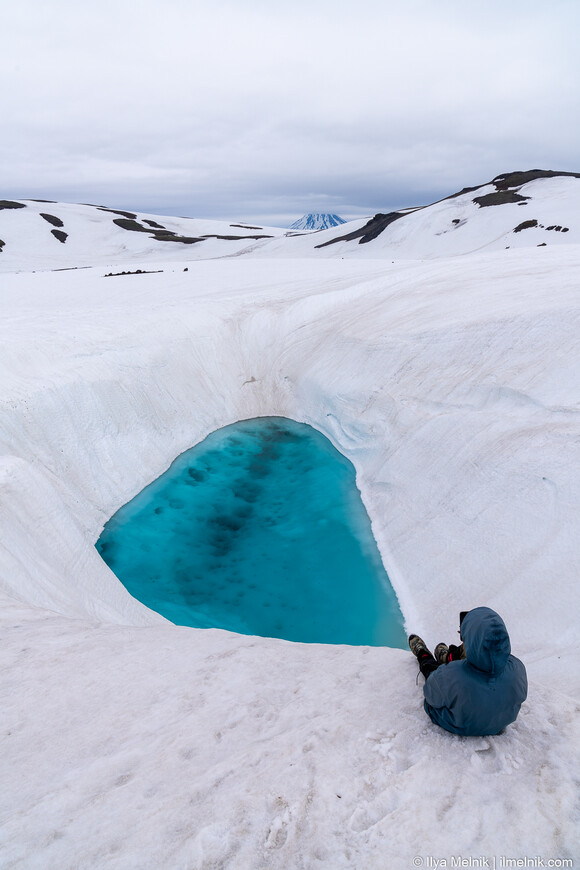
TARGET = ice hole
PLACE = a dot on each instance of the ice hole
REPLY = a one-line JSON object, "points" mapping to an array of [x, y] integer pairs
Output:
{"points": [[259, 529]]}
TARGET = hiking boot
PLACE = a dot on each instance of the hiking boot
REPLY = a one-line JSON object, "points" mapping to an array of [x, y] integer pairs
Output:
{"points": [[418, 646], [441, 653]]}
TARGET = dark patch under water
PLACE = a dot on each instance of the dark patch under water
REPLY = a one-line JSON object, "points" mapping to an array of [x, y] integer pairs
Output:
{"points": [[259, 530]]}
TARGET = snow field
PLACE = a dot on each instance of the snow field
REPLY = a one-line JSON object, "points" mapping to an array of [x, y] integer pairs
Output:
{"points": [[452, 387], [154, 746]]}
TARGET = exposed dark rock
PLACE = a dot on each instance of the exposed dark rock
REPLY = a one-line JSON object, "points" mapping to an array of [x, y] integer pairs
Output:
{"points": [[370, 231], [501, 197], [136, 272], [245, 227], [60, 235], [526, 225], [168, 236], [161, 235], [51, 201], [236, 238], [516, 179], [1, 245], [153, 224], [130, 224], [127, 214], [52, 219], [8, 203]]}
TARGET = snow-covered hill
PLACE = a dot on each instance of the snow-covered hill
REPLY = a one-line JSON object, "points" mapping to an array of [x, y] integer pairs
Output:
{"points": [[451, 384], [518, 209], [315, 221], [43, 235], [515, 210], [523, 209]]}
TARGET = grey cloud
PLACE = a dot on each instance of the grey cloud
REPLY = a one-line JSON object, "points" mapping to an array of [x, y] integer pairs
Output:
{"points": [[260, 110]]}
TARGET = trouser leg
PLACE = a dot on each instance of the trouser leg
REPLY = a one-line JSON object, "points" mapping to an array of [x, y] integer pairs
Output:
{"points": [[427, 664]]}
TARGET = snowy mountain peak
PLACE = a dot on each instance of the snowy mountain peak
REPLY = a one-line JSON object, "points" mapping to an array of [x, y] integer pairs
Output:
{"points": [[317, 222]]}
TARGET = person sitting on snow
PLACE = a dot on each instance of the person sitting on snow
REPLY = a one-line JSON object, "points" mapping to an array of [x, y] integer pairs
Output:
{"points": [[476, 689]]}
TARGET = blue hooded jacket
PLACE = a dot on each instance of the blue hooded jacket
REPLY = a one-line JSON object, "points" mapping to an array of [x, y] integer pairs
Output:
{"points": [[482, 693]]}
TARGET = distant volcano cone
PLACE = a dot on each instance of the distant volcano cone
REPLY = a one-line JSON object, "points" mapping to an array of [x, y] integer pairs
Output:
{"points": [[317, 222]]}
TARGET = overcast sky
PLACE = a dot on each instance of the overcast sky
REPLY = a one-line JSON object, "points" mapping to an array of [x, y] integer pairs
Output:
{"points": [[263, 110]]}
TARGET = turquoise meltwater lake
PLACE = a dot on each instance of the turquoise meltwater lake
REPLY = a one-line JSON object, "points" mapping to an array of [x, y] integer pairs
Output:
{"points": [[259, 529]]}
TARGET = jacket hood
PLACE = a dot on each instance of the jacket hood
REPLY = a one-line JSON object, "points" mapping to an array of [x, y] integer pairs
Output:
{"points": [[487, 643]]}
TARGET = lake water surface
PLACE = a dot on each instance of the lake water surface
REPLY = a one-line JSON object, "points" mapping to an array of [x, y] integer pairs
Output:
{"points": [[259, 529]]}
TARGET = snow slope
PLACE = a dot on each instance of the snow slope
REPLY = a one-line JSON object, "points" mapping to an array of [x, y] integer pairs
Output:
{"points": [[452, 385], [543, 211], [96, 234]]}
